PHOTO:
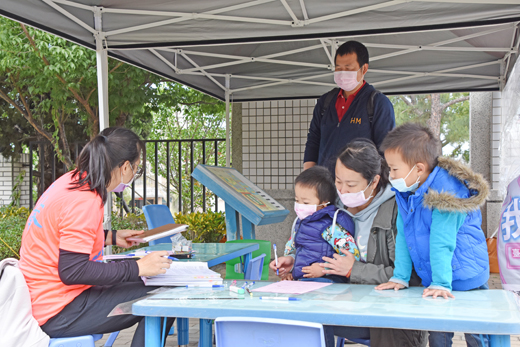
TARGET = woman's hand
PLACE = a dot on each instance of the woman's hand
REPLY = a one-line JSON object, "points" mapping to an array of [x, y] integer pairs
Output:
{"points": [[154, 263], [437, 292], [122, 235], [339, 265], [285, 265], [390, 285], [313, 271]]}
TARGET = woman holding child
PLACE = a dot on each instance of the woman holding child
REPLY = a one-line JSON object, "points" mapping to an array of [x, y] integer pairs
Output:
{"points": [[452, 194]]}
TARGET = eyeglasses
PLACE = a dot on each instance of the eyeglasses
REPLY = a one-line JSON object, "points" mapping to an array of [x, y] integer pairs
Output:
{"points": [[139, 172]]}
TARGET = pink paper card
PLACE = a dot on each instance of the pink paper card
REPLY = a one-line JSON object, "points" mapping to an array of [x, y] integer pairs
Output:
{"points": [[292, 287]]}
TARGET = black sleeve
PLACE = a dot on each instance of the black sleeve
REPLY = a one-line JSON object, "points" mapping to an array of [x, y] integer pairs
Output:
{"points": [[384, 118], [312, 146], [76, 268]]}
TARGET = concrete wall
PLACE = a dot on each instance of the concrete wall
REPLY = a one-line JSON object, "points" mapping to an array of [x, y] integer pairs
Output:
{"points": [[485, 130], [9, 172]]}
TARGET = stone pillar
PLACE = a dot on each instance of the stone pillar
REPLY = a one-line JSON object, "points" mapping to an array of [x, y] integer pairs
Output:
{"points": [[236, 136], [484, 151], [9, 171]]}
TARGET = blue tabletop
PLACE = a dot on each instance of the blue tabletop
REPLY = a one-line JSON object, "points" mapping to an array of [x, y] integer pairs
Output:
{"points": [[212, 253], [483, 311]]}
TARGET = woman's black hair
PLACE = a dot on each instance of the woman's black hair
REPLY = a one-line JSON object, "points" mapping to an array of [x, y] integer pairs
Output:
{"points": [[105, 152], [319, 178], [361, 156]]}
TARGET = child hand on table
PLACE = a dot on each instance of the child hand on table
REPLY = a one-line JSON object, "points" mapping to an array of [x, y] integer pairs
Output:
{"points": [[390, 285]]}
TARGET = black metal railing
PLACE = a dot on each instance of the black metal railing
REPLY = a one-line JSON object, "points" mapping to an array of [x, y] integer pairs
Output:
{"points": [[170, 161]]}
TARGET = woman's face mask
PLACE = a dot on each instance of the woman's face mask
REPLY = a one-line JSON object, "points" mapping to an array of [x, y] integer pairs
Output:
{"points": [[355, 199], [122, 186]]}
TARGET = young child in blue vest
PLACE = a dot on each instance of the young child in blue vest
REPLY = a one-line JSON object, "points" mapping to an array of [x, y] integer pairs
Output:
{"points": [[313, 235], [439, 221]]}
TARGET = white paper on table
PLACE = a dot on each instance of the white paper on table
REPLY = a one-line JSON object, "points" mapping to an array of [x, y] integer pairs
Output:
{"points": [[292, 287]]}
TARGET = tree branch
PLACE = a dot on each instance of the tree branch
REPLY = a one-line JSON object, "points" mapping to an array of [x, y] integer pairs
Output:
{"points": [[454, 101], [76, 95]]}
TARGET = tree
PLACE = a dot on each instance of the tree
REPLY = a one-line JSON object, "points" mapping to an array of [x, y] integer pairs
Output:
{"points": [[48, 91], [184, 113], [447, 115]]}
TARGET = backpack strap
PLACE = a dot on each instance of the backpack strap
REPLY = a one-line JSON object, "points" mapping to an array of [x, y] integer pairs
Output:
{"points": [[328, 99], [370, 106]]}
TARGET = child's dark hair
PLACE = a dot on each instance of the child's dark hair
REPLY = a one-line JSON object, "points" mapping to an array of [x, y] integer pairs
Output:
{"points": [[319, 178], [105, 152], [350, 47], [361, 156], [416, 143]]}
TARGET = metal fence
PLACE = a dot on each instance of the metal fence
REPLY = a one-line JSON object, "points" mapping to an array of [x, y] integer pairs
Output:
{"points": [[166, 163]]}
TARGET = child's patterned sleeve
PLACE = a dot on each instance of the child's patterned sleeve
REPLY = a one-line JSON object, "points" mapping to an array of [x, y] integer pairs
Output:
{"points": [[340, 238], [289, 248]]}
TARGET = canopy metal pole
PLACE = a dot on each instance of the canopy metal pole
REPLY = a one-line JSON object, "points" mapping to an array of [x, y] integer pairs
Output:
{"points": [[102, 82], [228, 126]]}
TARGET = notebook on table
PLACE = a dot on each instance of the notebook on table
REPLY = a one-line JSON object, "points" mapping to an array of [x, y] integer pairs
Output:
{"points": [[157, 233], [183, 274]]}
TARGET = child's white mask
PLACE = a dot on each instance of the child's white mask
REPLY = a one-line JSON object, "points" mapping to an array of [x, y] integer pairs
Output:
{"points": [[400, 183]]}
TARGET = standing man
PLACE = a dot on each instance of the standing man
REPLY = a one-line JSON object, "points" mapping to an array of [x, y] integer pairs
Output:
{"points": [[355, 109]]}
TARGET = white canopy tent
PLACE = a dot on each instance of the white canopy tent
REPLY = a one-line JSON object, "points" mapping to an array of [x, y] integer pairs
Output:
{"points": [[283, 49]]}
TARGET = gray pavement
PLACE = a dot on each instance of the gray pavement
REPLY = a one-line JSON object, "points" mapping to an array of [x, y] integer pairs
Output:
{"points": [[125, 337]]}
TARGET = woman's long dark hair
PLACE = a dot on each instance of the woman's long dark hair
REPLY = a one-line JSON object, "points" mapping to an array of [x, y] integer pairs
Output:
{"points": [[107, 151], [361, 156]]}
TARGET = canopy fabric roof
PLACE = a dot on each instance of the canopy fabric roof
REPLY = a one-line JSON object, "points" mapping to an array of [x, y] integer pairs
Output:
{"points": [[282, 49]]}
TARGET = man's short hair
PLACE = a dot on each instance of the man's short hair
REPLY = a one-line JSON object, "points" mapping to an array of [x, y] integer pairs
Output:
{"points": [[350, 47], [415, 143], [319, 178]]}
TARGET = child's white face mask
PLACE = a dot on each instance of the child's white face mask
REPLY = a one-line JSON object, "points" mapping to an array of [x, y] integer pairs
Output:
{"points": [[400, 183], [303, 211]]}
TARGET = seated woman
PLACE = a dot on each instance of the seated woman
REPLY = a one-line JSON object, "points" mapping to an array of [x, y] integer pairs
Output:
{"points": [[364, 190], [72, 291]]}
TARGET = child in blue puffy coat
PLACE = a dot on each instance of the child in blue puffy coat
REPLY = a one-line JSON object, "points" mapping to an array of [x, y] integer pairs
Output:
{"points": [[439, 221], [321, 229]]}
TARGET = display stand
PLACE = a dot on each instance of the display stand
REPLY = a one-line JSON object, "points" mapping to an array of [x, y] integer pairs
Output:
{"points": [[242, 198]]}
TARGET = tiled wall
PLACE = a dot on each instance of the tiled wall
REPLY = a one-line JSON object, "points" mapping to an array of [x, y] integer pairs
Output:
{"points": [[496, 132], [273, 138], [8, 173]]}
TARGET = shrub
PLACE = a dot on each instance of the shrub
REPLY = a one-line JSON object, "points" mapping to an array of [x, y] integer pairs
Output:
{"points": [[203, 226], [12, 223]]}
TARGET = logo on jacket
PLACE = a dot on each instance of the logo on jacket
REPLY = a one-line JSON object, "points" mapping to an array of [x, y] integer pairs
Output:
{"points": [[509, 222], [355, 120]]}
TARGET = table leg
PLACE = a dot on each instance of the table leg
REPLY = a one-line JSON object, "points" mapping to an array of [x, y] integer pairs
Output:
{"points": [[206, 333], [500, 341], [183, 337], [152, 331]]}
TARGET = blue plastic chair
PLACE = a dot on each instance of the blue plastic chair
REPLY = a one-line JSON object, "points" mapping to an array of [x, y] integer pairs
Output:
{"points": [[254, 331], [341, 342], [157, 216], [78, 341], [255, 268]]}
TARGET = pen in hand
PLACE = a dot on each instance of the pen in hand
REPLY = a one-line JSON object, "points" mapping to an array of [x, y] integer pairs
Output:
{"points": [[276, 259]]}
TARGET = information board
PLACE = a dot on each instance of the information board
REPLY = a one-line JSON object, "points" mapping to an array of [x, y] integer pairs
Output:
{"points": [[241, 194]]}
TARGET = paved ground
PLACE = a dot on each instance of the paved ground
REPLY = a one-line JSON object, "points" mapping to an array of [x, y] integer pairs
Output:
{"points": [[125, 337]]}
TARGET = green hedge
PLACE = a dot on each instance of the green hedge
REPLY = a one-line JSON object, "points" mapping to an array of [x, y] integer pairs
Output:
{"points": [[12, 223], [203, 227]]}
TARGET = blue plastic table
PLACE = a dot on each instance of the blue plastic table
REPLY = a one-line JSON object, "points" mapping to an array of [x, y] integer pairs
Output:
{"points": [[213, 254], [493, 312]]}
